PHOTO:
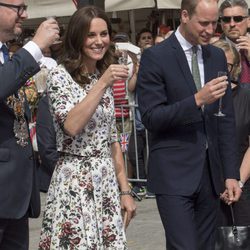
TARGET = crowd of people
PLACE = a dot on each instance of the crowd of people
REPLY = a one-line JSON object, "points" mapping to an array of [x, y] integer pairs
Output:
{"points": [[80, 124]]}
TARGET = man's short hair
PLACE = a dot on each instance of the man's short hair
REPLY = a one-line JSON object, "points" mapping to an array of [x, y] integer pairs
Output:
{"points": [[232, 3], [189, 6]]}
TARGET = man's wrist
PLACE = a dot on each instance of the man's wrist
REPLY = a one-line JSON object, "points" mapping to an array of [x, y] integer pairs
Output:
{"points": [[34, 50]]}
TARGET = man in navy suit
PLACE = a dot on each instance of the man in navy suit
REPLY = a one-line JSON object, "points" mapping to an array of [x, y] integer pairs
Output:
{"points": [[189, 145], [19, 193]]}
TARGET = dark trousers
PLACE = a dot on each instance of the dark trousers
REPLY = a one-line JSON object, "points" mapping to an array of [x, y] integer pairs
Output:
{"points": [[14, 234], [190, 221], [141, 146]]}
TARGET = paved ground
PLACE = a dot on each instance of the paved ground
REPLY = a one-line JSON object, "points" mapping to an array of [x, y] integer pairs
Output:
{"points": [[144, 233]]}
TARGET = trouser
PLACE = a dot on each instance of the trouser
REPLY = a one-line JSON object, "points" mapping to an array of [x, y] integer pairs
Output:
{"points": [[190, 221], [14, 234]]}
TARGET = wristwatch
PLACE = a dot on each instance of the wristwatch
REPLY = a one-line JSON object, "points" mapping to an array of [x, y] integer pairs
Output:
{"points": [[241, 184]]}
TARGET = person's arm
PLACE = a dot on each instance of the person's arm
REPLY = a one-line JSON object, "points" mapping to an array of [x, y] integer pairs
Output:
{"points": [[164, 95], [127, 201], [80, 114], [245, 166], [16, 72], [243, 42], [244, 174], [232, 191], [133, 79], [24, 63]]}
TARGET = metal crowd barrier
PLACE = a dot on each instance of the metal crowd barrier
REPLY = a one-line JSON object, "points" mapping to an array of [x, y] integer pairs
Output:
{"points": [[132, 108]]}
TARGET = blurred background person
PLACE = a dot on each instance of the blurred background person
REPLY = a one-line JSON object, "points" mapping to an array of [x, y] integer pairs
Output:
{"points": [[215, 38], [158, 39], [14, 47], [241, 102], [144, 38], [235, 22], [163, 30], [169, 34], [138, 142]]}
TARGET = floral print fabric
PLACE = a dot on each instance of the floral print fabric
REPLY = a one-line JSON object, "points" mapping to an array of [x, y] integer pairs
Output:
{"points": [[83, 205]]}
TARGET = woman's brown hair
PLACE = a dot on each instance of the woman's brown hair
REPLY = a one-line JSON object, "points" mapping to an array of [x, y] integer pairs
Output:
{"points": [[226, 46], [75, 36]]}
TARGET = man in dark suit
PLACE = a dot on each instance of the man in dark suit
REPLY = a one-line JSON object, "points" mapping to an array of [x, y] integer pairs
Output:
{"points": [[46, 141], [179, 92], [19, 194]]}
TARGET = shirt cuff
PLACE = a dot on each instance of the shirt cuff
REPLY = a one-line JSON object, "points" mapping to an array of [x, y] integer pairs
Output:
{"points": [[34, 50]]}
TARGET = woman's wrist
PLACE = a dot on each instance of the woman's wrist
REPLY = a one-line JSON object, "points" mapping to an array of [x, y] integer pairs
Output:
{"points": [[241, 183], [126, 192]]}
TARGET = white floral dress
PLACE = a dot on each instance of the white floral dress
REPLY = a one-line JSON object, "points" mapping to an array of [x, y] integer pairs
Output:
{"points": [[83, 205]]}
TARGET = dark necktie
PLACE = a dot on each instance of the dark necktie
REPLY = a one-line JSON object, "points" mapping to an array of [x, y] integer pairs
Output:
{"points": [[195, 68], [245, 68], [5, 52]]}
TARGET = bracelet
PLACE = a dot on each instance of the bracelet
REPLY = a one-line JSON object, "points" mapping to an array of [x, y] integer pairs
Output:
{"points": [[128, 192], [241, 184]]}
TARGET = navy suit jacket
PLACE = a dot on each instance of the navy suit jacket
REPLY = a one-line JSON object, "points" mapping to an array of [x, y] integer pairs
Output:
{"points": [[19, 191], [46, 140], [180, 131]]}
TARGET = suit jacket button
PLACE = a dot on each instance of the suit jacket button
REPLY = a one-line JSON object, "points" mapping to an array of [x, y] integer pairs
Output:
{"points": [[31, 157]]}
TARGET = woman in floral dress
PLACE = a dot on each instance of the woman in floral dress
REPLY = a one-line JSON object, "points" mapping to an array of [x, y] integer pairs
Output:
{"points": [[84, 208]]}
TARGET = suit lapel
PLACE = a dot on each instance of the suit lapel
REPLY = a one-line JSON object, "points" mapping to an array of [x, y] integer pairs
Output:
{"points": [[183, 64]]}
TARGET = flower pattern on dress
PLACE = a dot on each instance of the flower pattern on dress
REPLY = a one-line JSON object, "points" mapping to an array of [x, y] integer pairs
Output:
{"points": [[83, 205]]}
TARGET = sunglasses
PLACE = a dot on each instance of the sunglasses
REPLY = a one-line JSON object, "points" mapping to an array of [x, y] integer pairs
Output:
{"points": [[20, 8], [237, 19]]}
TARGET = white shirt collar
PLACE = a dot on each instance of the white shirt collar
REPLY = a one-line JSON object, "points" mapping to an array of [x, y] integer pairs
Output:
{"points": [[187, 48], [1, 53], [183, 42]]}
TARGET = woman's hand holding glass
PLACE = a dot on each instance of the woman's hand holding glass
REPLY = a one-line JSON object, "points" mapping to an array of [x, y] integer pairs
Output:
{"points": [[122, 56], [115, 72]]}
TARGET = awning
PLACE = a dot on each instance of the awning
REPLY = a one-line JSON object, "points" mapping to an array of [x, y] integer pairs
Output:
{"points": [[176, 4], [119, 5], [168, 4], [44, 8]]}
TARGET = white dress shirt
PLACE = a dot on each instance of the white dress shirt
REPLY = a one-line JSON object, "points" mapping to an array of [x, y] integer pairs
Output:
{"points": [[187, 48]]}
